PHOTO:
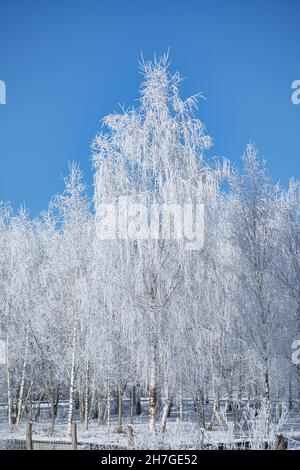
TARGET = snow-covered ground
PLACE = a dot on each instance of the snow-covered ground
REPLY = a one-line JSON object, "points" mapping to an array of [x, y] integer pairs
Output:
{"points": [[186, 435]]}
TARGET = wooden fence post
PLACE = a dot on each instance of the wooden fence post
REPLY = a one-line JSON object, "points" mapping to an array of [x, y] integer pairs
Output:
{"points": [[129, 432], [74, 436], [29, 444]]}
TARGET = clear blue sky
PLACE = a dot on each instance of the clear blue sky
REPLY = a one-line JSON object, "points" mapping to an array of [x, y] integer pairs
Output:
{"points": [[67, 63]]}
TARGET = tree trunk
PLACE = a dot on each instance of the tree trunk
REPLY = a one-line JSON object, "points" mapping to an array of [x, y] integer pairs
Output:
{"points": [[132, 403], [201, 439], [21, 394], [153, 390], [99, 408], [229, 401], [120, 410], [9, 397], [200, 408], [267, 383], [181, 407], [81, 404], [216, 410], [108, 405], [86, 397], [129, 432], [8, 374], [72, 379], [138, 406], [53, 396], [74, 436], [166, 410], [53, 414], [290, 395], [29, 444]]}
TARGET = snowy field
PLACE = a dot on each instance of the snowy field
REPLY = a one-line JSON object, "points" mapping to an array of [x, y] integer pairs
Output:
{"points": [[178, 435]]}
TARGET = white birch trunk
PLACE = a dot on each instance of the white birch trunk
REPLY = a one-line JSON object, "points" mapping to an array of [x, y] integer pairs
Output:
{"points": [[108, 405], [153, 390], [99, 408], [8, 375], [9, 396], [21, 394], [267, 383], [9, 387], [86, 400], [165, 413], [181, 407], [72, 379], [120, 410]]}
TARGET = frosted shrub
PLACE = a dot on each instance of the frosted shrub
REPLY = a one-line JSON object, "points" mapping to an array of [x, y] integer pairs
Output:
{"points": [[262, 427]]}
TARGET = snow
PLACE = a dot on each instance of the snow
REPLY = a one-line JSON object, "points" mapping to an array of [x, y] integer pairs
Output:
{"points": [[89, 322]]}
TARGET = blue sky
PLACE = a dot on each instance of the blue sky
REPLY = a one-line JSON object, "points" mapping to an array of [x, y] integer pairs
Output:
{"points": [[67, 63]]}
